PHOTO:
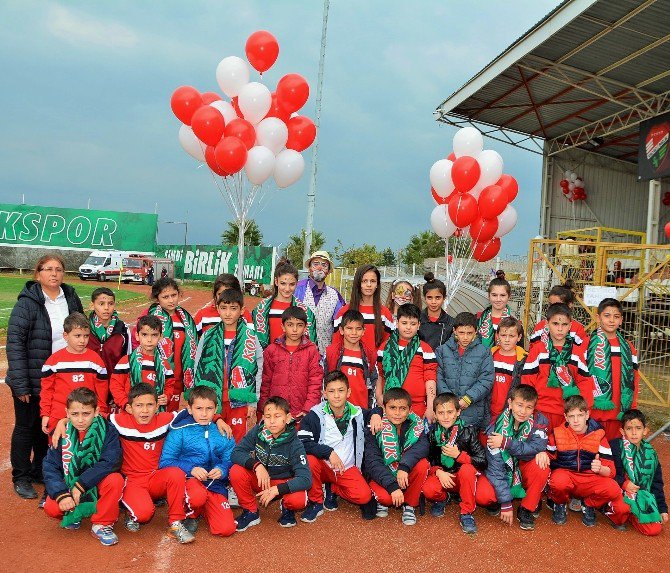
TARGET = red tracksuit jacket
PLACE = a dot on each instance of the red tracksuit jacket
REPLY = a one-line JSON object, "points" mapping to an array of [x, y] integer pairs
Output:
{"points": [[119, 385]]}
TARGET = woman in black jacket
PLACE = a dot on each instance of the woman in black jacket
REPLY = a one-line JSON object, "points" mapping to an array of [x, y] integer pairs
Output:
{"points": [[436, 325], [35, 331]]}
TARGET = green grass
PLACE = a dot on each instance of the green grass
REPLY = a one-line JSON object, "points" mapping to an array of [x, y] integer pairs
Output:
{"points": [[11, 286]]}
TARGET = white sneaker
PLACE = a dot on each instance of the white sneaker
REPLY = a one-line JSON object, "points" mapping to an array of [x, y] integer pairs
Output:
{"points": [[408, 515], [232, 498], [382, 510]]}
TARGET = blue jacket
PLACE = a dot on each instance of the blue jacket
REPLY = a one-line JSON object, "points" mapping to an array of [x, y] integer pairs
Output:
{"points": [[285, 461], [469, 375], [109, 462], [189, 445]]}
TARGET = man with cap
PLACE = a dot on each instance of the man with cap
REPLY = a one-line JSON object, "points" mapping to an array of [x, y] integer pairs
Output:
{"points": [[324, 301]]}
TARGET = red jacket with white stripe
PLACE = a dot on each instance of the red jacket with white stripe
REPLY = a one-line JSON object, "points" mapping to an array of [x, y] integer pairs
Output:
{"points": [[207, 317], [119, 385], [576, 331], [368, 339]]}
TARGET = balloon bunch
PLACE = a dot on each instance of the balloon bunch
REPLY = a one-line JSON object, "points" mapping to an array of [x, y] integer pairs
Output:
{"points": [[573, 187], [473, 198], [257, 131]]}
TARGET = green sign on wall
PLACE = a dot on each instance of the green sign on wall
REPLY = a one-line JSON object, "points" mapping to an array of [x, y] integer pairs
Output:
{"points": [[206, 262], [76, 229]]}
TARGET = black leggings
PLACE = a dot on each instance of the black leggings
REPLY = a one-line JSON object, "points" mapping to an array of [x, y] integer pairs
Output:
{"points": [[27, 439]]}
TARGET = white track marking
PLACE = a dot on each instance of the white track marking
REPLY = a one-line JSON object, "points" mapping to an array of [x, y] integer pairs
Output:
{"points": [[164, 552]]}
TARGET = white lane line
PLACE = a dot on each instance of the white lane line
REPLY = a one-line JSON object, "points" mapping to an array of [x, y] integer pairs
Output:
{"points": [[164, 552]]}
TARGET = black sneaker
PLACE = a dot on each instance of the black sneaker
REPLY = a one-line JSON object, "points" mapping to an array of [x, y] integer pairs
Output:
{"points": [[25, 489], [526, 519], [589, 516], [330, 499], [287, 516], [312, 512], [493, 509], [369, 510], [43, 500], [560, 514], [247, 519], [538, 510]]}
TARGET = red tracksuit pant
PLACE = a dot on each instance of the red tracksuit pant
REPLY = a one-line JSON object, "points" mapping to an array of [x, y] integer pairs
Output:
{"points": [[139, 494], [245, 484], [619, 512], [350, 484], [533, 480], [595, 490], [213, 506], [107, 508], [413, 492], [236, 418], [474, 490]]}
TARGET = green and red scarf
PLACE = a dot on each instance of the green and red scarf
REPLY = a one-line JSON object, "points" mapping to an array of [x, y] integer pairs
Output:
{"points": [[135, 363], [77, 457], [599, 361], [505, 427], [237, 364], [389, 441], [447, 437], [485, 327], [640, 466], [265, 436], [188, 349], [101, 331], [342, 423], [261, 318], [559, 369], [396, 360]]}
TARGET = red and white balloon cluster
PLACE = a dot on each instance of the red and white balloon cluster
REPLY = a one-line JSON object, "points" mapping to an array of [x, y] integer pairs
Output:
{"points": [[473, 195], [573, 187], [257, 130]]}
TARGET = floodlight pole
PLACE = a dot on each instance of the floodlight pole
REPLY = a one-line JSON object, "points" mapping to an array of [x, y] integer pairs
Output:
{"points": [[311, 194]]}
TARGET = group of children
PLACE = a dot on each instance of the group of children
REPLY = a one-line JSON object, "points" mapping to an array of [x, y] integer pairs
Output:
{"points": [[402, 407]]}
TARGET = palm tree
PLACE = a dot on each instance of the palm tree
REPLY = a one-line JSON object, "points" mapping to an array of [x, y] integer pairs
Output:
{"points": [[252, 236]]}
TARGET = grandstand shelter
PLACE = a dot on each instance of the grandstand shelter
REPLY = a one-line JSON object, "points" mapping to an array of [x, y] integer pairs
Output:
{"points": [[575, 89]]}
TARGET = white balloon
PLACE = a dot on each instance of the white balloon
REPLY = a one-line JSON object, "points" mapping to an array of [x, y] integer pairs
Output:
{"points": [[289, 167], [191, 144], [579, 182], [232, 74], [491, 166], [567, 174], [441, 223], [506, 221], [254, 100], [226, 108], [573, 176], [260, 164], [571, 186], [272, 133], [468, 141], [440, 177], [476, 191]]}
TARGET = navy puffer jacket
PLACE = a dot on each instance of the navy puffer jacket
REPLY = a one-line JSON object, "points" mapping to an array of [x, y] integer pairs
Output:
{"points": [[29, 337]]}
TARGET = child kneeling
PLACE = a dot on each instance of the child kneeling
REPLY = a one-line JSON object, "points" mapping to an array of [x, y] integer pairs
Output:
{"points": [[270, 461], [195, 445], [80, 472], [458, 461]]}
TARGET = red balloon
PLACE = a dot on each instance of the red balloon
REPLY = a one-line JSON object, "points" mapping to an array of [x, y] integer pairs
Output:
{"points": [[667, 230], [565, 190], [441, 200], [666, 200], [565, 184], [243, 130], [236, 107], [301, 133], [481, 230], [486, 251], [292, 92], [492, 202], [465, 173], [208, 125], [458, 233], [211, 161], [184, 102], [231, 154], [509, 185], [209, 97], [278, 111], [462, 209], [262, 50], [451, 156]]}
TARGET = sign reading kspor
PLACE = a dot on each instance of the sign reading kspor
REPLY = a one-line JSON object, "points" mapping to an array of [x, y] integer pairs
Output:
{"points": [[76, 229], [206, 262]]}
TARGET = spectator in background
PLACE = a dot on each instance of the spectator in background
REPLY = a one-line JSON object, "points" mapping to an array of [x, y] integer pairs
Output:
{"points": [[323, 300], [35, 332]]}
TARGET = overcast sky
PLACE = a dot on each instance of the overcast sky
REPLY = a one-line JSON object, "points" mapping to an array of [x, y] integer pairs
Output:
{"points": [[86, 107]]}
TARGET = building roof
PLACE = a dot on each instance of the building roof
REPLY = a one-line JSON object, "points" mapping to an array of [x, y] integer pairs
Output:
{"points": [[585, 76]]}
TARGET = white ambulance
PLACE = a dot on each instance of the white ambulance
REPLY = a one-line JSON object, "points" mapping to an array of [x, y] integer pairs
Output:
{"points": [[102, 265]]}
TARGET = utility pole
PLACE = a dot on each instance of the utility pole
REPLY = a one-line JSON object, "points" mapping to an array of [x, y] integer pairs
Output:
{"points": [[311, 194]]}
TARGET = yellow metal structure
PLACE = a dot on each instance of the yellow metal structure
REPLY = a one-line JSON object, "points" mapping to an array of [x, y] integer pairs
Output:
{"points": [[604, 235]]}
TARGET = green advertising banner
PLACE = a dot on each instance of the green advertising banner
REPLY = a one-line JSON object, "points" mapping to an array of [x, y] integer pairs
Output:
{"points": [[206, 262], [76, 229]]}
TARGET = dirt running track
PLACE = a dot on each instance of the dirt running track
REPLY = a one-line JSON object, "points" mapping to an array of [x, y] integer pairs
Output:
{"points": [[338, 541]]}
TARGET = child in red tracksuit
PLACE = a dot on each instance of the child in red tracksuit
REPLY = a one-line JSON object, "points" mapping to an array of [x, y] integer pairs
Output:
{"points": [[612, 361], [110, 337], [333, 436], [209, 316], [74, 366], [508, 363], [354, 359], [556, 367], [291, 366], [405, 361], [581, 464], [458, 462], [145, 364]]}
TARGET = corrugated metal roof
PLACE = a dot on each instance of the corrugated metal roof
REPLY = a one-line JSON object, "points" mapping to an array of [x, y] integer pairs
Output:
{"points": [[587, 61]]}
